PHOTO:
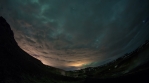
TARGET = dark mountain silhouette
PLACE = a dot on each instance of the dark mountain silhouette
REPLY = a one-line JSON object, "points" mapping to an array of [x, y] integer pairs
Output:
{"points": [[16, 66]]}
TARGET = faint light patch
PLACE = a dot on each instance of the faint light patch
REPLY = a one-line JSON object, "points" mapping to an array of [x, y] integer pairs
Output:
{"points": [[146, 20], [98, 41], [115, 66], [143, 21], [79, 64]]}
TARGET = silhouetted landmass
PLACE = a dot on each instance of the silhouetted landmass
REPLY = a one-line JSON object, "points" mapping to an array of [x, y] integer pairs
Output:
{"points": [[132, 62], [16, 66]]}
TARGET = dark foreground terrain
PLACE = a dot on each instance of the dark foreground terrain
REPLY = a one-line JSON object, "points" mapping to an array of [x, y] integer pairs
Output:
{"points": [[16, 66]]}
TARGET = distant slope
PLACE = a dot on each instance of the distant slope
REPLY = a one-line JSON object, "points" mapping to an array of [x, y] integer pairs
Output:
{"points": [[132, 67], [136, 61]]}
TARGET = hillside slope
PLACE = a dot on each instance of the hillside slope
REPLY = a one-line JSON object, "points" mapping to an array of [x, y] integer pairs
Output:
{"points": [[16, 66]]}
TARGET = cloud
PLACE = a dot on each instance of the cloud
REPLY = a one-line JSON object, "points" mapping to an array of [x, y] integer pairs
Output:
{"points": [[69, 34]]}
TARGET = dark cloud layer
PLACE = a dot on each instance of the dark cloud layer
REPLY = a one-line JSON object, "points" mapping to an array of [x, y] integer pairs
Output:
{"points": [[74, 34]]}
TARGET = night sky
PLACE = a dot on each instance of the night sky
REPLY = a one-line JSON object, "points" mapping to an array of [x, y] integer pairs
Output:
{"points": [[75, 34]]}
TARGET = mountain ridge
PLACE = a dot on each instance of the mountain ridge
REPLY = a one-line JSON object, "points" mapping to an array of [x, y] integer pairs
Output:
{"points": [[16, 66]]}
